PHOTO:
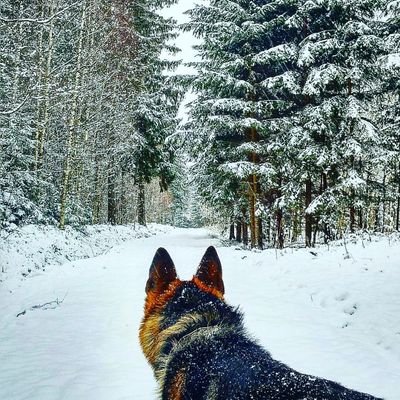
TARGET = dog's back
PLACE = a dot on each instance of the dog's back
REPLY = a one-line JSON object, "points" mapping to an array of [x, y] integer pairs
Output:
{"points": [[199, 349]]}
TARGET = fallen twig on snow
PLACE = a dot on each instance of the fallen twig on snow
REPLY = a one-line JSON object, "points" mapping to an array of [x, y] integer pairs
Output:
{"points": [[51, 305]]}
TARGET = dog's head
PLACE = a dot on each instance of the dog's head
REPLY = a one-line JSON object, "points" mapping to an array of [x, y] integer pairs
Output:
{"points": [[168, 297]]}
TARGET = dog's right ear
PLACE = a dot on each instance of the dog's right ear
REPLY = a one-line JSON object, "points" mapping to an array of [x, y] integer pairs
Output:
{"points": [[162, 272], [209, 273]]}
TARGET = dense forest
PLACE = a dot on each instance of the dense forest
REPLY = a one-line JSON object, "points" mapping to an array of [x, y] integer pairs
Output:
{"points": [[294, 134]]}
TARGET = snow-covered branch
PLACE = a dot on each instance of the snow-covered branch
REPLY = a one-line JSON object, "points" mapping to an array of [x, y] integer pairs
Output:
{"points": [[17, 108], [37, 20]]}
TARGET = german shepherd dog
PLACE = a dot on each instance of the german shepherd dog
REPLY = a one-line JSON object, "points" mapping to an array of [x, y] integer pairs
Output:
{"points": [[199, 349]]}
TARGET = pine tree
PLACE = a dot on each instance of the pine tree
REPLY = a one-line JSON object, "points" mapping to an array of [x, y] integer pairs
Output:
{"points": [[244, 94], [155, 102], [387, 108], [284, 121], [337, 58]]}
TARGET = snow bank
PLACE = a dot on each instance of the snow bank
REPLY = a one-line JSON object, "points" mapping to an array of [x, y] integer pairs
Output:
{"points": [[31, 249]]}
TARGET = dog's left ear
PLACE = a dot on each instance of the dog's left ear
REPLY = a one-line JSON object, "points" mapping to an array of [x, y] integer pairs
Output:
{"points": [[162, 272], [210, 271]]}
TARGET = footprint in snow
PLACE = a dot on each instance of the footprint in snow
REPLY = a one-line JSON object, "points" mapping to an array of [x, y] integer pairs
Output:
{"points": [[342, 297], [351, 310]]}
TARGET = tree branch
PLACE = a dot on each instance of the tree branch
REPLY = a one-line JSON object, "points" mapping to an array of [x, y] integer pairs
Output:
{"points": [[38, 21], [16, 109], [46, 306]]}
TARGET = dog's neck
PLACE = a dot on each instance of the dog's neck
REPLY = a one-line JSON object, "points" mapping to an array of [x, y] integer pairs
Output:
{"points": [[190, 328]]}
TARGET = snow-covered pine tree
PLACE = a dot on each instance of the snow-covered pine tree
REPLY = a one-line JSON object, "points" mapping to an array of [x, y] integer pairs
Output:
{"points": [[337, 137], [387, 108], [245, 94], [155, 101]]}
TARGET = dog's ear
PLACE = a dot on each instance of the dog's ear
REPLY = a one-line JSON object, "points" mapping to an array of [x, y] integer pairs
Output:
{"points": [[162, 272], [209, 272]]}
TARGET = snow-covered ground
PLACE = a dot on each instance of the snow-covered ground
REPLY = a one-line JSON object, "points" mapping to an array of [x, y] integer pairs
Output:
{"points": [[33, 248], [332, 314]]}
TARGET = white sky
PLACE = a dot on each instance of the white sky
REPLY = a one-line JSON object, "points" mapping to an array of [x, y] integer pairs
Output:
{"points": [[185, 41]]}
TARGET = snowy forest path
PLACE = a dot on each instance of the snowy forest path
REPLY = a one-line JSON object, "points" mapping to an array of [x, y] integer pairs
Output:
{"points": [[76, 334], [71, 333]]}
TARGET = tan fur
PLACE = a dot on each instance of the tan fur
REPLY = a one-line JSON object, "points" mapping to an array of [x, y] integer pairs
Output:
{"points": [[208, 289], [176, 389], [152, 339], [149, 337], [156, 301]]}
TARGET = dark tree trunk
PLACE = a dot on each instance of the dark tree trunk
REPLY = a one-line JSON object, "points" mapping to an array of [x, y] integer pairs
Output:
{"points": [[308, 216], [260, 235], [252, 211], [376, 210], [325, 226], [360, 218], [232, 232], [239, 231], [384, 202], [280, 237], [141, 205], [398, 204], [268, 230], [352, 217], [245, 233], [111, 200], [315, 233]]}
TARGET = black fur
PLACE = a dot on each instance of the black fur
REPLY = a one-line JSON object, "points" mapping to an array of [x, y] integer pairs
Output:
{"points": [[221, 362]]}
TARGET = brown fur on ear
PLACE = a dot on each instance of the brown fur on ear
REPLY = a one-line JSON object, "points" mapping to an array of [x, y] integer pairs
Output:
{"points": [[209, 273], [162, 272]]}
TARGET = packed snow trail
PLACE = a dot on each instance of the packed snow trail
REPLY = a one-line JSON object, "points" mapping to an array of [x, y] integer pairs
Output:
{"points": [[329, 315], [87, 346]]}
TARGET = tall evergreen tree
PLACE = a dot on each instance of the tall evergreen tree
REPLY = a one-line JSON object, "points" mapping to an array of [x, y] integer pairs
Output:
{"points": [[244, 94], [337, 57], [284, 119]]}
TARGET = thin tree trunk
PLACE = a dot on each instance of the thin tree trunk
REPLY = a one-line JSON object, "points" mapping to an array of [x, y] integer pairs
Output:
{"points": [[111, 196], [352, 214], [260, 243], [42, 124], [141, 204], [268, 232], [239, 231], [280, 237], [252, 212], [253, 195], [72, 122], [384, 202], [295, 225], [326, 228], [398, 200], [245, 233], [97, 193], [40, 68], [398, 209], [232, 232], [308, 216]]}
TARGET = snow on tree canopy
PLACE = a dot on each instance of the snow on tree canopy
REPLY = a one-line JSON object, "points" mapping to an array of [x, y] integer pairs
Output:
{"points": [[281, 53]]}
